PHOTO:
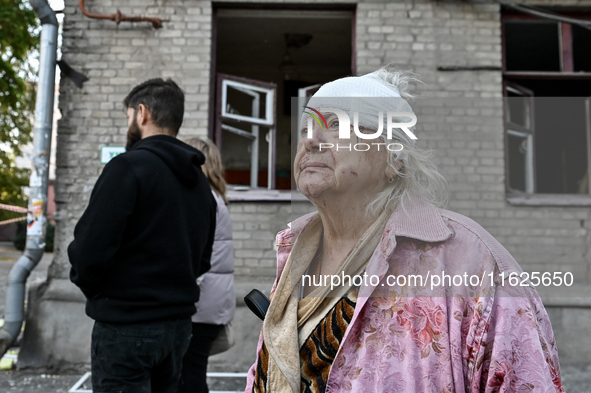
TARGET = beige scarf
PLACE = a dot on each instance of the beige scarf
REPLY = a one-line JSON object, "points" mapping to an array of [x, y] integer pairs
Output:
{"points": [[289, 322]]}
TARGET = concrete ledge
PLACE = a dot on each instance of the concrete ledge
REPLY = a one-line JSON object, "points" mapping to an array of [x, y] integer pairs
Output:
{"points": [[571, 325], [57, 331], [569, 309]]}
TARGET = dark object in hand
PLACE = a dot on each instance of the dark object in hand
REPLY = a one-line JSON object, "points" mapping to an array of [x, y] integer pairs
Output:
{"points": [[258, 303]]}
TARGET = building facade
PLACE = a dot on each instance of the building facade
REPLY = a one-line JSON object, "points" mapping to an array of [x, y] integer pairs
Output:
{"points": [[524, 184]]}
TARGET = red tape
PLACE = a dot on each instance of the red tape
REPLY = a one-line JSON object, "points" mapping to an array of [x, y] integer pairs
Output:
{"points": [[16, 209], [12, 220]]}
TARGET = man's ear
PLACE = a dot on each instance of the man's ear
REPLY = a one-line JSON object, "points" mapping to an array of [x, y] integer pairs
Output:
{"points": [[143, 115]]}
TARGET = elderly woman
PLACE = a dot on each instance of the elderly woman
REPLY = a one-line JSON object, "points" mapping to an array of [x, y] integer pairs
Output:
{"points": [[378, 222]]}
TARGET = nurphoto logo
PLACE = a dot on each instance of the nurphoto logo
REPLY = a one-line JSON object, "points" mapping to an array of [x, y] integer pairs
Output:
{"points": [[345, 128]]}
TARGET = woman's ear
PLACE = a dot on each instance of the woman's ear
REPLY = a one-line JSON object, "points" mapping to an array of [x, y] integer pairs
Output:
{"points": [[390, 172]]}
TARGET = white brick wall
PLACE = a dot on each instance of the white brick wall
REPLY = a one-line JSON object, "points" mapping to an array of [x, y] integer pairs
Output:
{"points": [[466, 135], [116, 58]]}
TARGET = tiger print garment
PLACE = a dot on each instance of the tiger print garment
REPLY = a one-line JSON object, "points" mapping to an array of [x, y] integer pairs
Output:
{"points": [[319, 350], [260, 377]]}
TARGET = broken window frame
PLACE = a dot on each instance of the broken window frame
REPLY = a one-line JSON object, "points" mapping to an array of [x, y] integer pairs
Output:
{"points": [[253, 88], [588, 116], [567, 73], [565, 44], [525, 131], [258, 195]]}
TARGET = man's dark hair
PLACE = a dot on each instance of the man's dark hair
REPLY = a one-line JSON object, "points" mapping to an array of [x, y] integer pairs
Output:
{"points": [[163, 98]]}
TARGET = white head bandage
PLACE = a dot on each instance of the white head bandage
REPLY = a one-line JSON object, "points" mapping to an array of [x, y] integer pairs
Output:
{"points": [[366, 95]]}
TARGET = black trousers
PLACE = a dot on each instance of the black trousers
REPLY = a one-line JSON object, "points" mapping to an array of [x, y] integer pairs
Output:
{"points": [[194, 374], [139, 358]]}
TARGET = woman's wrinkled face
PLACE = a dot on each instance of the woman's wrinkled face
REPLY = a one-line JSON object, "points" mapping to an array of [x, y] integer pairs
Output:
{"points": [[321, 170]]}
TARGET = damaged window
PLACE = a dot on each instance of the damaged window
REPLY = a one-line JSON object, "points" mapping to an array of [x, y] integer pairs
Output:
{"points": [[263, 57], [547, 85]]}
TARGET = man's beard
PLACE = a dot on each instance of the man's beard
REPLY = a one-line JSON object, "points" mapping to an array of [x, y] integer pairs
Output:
{"points": [[133, 135]]}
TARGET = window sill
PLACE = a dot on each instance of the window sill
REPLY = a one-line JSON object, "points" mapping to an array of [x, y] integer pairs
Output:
{"points": [[546, 75], [247, 194], [549, 199]]}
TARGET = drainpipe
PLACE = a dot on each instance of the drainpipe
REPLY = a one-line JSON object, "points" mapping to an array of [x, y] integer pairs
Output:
{"points": [[14, 314]]}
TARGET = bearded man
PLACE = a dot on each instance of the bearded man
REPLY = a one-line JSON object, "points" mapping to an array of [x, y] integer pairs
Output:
{"points": [[144, 238]]}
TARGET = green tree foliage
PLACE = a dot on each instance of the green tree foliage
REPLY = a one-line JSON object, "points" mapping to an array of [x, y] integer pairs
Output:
{"points": [[18, 41]]}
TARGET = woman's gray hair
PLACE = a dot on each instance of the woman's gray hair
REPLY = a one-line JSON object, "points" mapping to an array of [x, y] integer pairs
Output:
{"points": [[416, 175]]}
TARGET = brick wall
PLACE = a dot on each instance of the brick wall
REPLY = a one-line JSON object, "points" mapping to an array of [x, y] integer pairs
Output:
{"points": [[255, 226], [467, 136], [116, 58]]}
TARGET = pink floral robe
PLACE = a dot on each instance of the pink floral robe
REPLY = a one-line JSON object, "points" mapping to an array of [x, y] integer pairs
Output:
{"points": [[412, 339]]}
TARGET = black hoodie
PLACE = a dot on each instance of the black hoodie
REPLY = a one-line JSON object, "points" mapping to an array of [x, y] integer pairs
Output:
{"points": [[146, 234]]}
